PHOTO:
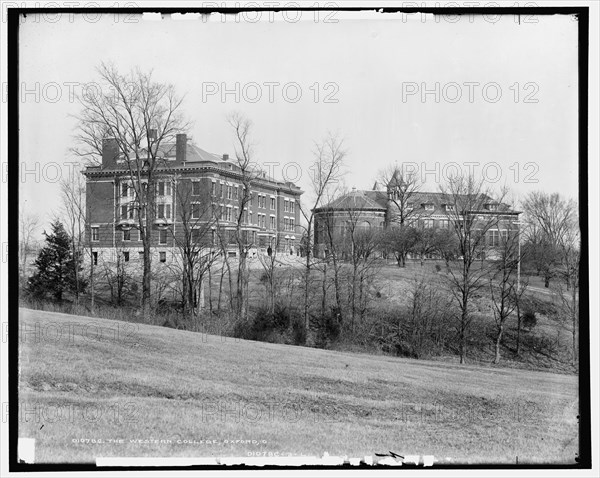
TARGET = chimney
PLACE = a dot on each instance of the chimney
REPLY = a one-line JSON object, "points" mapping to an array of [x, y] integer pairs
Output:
{"points": [[181, 147], [225, 157], [110, 152]]}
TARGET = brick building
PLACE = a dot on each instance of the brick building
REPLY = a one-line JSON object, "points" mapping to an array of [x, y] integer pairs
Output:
{"points": [[195, 190], [380, 209]]}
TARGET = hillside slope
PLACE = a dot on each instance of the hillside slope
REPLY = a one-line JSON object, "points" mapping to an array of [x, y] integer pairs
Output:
{"points": [[95, 379]]}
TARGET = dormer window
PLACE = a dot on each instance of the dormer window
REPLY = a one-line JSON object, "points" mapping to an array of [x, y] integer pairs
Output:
{"points": [[449, 207], [428, 206]]}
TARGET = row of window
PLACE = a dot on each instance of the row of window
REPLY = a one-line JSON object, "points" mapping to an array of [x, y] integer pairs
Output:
{"points": [[162, 256], [162, 188], [163, 211]]}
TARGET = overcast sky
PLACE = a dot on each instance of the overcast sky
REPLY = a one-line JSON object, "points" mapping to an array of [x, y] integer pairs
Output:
{"points": [[361, 77]]}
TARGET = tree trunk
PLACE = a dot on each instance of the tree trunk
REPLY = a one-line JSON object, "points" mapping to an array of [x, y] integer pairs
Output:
{"points": [[463, 335], [92, 292], [518, 328], [307, 279], [210, 302], [574, 316], [498, 341], [324, 291]]}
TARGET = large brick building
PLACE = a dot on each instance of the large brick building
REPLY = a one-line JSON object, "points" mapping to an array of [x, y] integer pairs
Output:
{"points": [[194, 189]]}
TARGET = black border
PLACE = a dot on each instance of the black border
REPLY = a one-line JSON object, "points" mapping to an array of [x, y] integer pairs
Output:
{"points": [[584, 461]]}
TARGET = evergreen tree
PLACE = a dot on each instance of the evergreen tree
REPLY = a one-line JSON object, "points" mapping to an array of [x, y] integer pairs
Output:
{"points": [[56, 266]]}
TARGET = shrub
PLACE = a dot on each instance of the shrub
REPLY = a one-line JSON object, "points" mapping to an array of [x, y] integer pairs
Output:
{"points": [[327, 327], [529, 319], [266, 326]]}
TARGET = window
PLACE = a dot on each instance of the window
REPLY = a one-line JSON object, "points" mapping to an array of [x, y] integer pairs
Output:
{"points": [[450, 207], [164, 211], [272, 225], [196, 188], [228, 192], [124, 190], [95, 234], [162, 256], [273, 204], [292, 205], [228, 211], [95, 258], [429, 207], [235, 192], [492, 207], [292, 228], [164, 188], [285, 223], [126, 256], [494, 238], [250, 221], [126, 234], [124, 212], [195, 236], [444, 223], [213, 189], [428, 223], [195, 210], [162, 236], [141, 255], [286, 206]]}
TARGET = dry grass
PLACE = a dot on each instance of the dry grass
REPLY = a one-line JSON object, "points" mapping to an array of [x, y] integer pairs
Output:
{"points": [[133, 381]]}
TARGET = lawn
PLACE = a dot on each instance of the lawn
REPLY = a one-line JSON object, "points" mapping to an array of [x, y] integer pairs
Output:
{"points": [[144, 390]]}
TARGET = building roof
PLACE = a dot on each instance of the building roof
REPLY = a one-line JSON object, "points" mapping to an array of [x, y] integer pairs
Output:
{"points": [[378, 200], [196, 158], [359, 200]]}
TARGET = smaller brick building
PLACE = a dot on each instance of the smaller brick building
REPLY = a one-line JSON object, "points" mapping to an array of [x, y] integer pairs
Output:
{"points": [[380, 209]]}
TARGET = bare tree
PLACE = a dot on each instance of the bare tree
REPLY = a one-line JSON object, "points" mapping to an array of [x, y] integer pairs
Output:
{"points": [[248, 174], [194, 243], [550, 220], [400, 241], [402, 187], [269, 264], [506, 289], [73, 190], [471, 219], [139, 115], [570, 253], [325, 171], [28, 224], [362, 243]]}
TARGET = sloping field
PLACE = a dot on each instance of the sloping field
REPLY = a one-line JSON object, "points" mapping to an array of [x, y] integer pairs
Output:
{"points": [[140, 390]]}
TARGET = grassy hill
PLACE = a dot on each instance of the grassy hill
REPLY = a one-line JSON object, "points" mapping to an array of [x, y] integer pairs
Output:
{"points": [[84, 378]]}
